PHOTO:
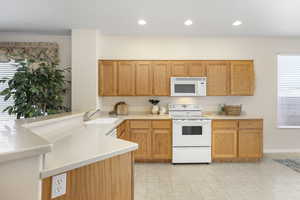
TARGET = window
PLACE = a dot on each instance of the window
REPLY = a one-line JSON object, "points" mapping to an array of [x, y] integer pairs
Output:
{"points": [[288, 91], [7, 70]]}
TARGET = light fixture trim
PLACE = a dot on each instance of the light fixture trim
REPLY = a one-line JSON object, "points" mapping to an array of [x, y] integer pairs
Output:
{"points": [[237, 23], [142, 22], [188, 22]]}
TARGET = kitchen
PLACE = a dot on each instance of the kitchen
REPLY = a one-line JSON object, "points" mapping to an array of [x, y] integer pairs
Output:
{"points": [[197, 104], [188, 79], [194, 136]]}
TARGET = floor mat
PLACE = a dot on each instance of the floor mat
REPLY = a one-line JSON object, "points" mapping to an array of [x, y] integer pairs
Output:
{"points": [[291, 163]]}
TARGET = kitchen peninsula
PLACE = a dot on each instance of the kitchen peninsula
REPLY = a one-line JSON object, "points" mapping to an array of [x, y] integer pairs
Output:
{"points": [[93, 160], [35, 150]]}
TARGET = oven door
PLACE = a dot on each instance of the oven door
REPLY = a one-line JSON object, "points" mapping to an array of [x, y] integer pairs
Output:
{"points": [[183, 87], [191, 133]]}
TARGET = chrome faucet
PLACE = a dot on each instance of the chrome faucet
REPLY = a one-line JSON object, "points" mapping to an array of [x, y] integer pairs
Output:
{"points": [[87, 116]]}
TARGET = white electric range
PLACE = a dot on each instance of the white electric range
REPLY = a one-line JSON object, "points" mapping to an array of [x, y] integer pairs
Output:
{"points": [[191, 134]]}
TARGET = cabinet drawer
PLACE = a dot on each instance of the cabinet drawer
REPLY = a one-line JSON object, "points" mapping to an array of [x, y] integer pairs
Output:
{"points": [[161, 124], [140, 124], [250, 124], [225, 124]]}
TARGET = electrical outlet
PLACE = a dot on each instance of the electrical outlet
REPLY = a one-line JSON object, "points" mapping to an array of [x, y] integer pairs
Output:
{"points": [[59, 184]]}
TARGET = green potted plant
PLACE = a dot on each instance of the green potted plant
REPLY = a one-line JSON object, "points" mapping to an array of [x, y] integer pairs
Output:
{"points": [[37, 89]]}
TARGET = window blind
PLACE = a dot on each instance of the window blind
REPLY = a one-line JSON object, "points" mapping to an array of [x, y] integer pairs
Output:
{"points": [[288, 91], [7, 70]]}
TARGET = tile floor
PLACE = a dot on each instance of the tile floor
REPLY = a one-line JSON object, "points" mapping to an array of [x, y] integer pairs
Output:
{"points": [[265, 180]]}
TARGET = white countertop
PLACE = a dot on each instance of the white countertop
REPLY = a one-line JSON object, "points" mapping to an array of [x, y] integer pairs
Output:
{"points": [[17, 142], [67, 142], [87, 144], [82, 146]]}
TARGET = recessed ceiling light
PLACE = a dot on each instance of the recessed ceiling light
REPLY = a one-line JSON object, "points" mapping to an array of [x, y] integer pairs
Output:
{"points": [[237, 23], [142, 22], [188, 22]]}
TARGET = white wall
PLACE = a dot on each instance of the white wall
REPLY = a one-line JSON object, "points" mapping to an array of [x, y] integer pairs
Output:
{"points": [[63, 41], [84, 69], [262, 50]]}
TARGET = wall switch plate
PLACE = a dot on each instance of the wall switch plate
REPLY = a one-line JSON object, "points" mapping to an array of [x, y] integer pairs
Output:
{"points": [[59, 185]]}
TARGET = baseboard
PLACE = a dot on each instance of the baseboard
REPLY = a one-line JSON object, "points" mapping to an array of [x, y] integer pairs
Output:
{"points": [[281, 150]]}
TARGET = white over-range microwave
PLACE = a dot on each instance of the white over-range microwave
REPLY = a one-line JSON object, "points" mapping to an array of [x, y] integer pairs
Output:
{"points": [[188, 86]]}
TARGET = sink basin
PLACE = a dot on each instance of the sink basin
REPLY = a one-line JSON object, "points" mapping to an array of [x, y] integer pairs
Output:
{"points": [[108, 120]]}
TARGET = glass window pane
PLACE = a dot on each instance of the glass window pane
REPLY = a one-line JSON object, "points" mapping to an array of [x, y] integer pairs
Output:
{"points": [[184, 88], [192, 130], [288, 91]]}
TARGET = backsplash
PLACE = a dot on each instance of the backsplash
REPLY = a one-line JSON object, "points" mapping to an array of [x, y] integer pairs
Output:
{"points": [[141, 104]]}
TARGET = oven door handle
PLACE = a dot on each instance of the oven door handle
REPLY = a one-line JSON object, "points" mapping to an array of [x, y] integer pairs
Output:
{"points": [[188, 120]]}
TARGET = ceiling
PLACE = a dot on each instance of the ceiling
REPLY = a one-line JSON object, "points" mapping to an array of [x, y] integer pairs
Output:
{"points": [[164, 17]]}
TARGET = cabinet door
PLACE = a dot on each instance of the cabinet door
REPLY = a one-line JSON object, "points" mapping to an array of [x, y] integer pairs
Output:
{"points": [[196, 69], [143, 77], [161, 78], [143, 138], [161, 140], [179, 68], [250, 143], [224, 144], [217, 78], [107, 78], [242, 78], [126, 78], [122, 131]]}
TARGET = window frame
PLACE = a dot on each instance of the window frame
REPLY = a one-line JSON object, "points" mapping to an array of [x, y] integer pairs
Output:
{"points": [[277, 91], [9, 117]]}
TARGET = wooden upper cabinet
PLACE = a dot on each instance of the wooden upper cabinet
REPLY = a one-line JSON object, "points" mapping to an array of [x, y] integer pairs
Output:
{"points": [[179, 68], [161, 78], [143, 78], [242, 78], [196, 69], [218, 78], [108, 78], [152, 78], [126, 78]]}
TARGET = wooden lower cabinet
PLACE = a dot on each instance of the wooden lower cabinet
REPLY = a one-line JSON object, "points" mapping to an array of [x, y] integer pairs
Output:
{"points": [[237, 140], [250, 143], [143, 138], [122, 131], [154, 138], [224, 144], [161, 140], [110, 179]]}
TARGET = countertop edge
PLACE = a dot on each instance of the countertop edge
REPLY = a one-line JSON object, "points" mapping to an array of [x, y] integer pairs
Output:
{"points": [[51, 172], [26, 153]]}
